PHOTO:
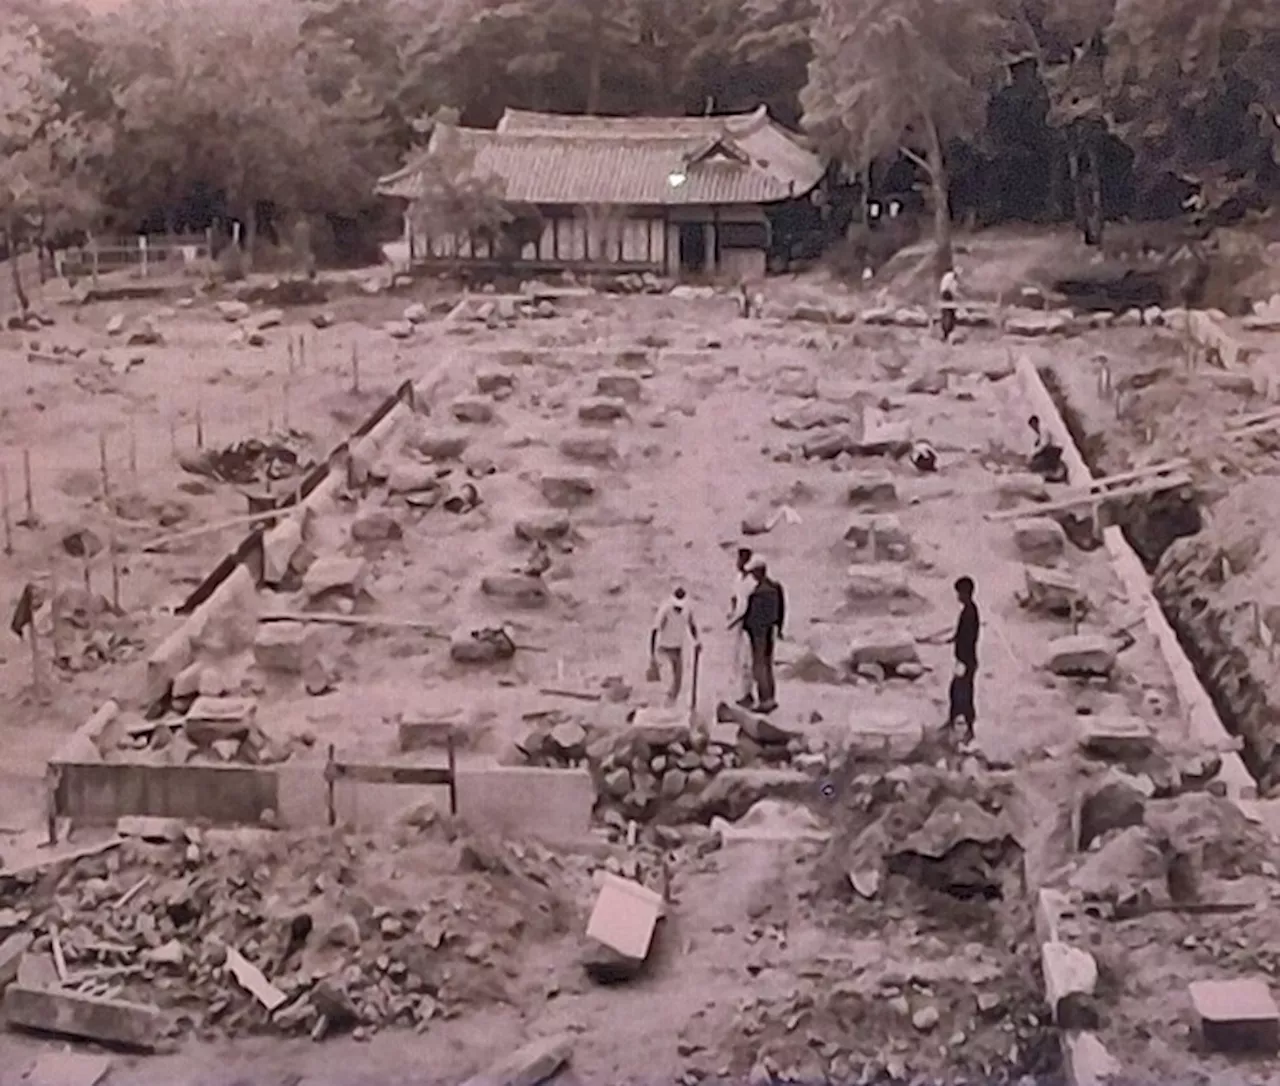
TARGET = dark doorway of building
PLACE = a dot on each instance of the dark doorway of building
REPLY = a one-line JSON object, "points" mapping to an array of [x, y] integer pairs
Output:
{"points": [[693, 247]]}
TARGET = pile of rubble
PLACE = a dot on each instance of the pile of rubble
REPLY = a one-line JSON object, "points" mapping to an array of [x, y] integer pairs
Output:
{"points": [[657, 765], [253, 932]]}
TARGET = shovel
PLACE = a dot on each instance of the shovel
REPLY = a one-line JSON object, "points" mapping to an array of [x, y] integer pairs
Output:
{"points": [[693, 683]]}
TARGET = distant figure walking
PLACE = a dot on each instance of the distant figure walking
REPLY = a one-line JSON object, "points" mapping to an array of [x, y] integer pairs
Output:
{"points": [[963, 711], [948, 288], [672, 625], [743, 583], [744, 300], [1046, 458], [763, 622]]}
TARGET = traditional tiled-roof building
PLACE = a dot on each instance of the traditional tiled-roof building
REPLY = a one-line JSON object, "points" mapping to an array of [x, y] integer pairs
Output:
{"points": [[674, 195]]}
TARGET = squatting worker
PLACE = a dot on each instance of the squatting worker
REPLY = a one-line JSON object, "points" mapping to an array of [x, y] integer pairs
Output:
{"points": [[963, 711], [743, 583], [763, 622], [1046, 456], [948, 288], [672, 625]]}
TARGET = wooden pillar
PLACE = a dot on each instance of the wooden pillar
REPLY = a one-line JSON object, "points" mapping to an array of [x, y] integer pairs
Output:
{"points": [[711, 246]]}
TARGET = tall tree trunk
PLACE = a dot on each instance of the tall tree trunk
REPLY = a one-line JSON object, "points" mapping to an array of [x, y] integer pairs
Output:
{"points": [[11, 236], [1093, 190], [943, 255], [596, 61]]}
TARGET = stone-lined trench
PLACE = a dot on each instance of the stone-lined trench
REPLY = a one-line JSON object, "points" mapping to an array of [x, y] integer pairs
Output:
{"points": [[1191, 561]]}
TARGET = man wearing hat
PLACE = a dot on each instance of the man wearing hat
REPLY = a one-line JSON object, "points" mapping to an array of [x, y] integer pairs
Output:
{"points": [[671, 625], [763, 622]]}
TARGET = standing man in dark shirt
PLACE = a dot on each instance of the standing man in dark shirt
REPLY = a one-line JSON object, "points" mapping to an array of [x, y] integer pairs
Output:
{"points": [[763, 622], [963, 708]]}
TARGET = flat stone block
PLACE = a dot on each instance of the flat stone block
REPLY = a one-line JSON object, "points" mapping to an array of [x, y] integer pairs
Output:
{"points": [[554, 804], [107, 1021], [1237, 1015]]}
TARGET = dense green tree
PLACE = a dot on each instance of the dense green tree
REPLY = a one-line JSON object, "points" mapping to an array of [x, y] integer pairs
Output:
{"points": [[907, 76]]}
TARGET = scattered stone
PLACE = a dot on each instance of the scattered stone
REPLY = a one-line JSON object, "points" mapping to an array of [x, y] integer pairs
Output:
{"points": [[286, 647], [828, 444], [880, 535], [1113, 804], [407, 477], [621, 929], [1120, 739], [231, 311], [758, 726], [417, 313], [1036, 325], [619, 386], [543, 528], [1082, 656], [926, 1019], [1070, 979], [889, 649], [1237, 1016], [376, 526], [272, 318], [1039, 539], [398, 329], [104, 1021], [472, 411], [517, 589], [872, 492], [484, 646], [589, 448], [1053, 592], [323, 320], [602, 409], [494, 382], [162, 831], [441, 446], [567, 490], [876, 584], [531, 1065], [334, 574], [116, 324]]}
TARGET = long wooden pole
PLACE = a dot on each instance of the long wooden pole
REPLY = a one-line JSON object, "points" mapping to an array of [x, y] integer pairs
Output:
{"points": [[8, 513]]}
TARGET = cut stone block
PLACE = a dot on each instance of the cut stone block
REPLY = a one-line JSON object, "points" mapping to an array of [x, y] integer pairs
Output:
{"points": [[881, 535], [1082, 655], [68, 1014], [1122, 739], [876, 584], [11, 953], [623, 921], [1070, 979], [424, 732], [618, 386], [278, 548], [1039, 539], [286, 646], [758, 726], [1020, 489], [543, 528], [442, 445], [210, 720], [335, 574], [568, 490], [872, 491], [515, 588], [889, 649], [602, 409], [407, 477], [1053, 592], [874, 734], [530, 1065], [1237, 1016], [470, 410], [589, 448]]}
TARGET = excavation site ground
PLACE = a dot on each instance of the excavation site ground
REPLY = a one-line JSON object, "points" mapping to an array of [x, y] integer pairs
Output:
{"points": [[249, 880]]}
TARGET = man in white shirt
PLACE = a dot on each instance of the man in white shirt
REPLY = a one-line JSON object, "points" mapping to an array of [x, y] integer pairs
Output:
{"points": [[948, 288], [743, 584], [671, 626]]}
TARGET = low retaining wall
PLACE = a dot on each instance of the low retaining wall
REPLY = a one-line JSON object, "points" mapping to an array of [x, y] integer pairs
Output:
{"points": [[1086, 1059]]}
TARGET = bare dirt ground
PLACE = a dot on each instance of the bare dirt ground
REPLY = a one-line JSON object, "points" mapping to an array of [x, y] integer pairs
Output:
{"points": [[770, 965]]}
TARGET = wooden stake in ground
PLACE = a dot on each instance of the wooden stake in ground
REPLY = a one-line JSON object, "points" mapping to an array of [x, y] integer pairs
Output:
{"points": [[355, 369], [26, 485], [55, 608], [106, 471], [133, 448], [199, 428], [291, 354], [115, 571], [8, 514]]}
